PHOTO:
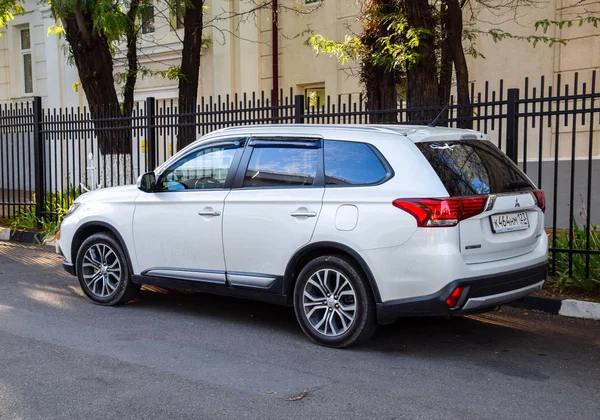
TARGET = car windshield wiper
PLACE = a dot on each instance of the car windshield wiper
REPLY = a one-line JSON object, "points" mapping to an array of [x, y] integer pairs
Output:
{"points": [[515, 185]]}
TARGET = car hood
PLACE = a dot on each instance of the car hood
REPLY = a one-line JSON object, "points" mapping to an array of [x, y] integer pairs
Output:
{"points": [[123, 193]]}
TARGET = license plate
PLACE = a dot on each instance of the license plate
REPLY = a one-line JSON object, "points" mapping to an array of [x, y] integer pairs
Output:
{"points": [[509, 222]]}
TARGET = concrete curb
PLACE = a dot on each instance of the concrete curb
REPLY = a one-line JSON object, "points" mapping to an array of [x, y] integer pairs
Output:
{"points": [[4, 234], [24, 236], [580, 309], [566, 307]]}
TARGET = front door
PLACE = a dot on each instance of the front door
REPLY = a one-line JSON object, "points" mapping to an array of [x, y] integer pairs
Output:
{"points": [[177, 229]]}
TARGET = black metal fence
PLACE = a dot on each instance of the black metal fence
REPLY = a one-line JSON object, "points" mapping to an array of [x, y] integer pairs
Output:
{"points": [[551, 129]]}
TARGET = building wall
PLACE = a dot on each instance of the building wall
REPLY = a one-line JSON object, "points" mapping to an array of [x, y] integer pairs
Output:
{"points": [[239, 58], [53, 78]]}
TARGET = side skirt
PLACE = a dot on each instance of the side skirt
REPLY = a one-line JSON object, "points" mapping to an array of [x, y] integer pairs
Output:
{"points": [[215, 289]]}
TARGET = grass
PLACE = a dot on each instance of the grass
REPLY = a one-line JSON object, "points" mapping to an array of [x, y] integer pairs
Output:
{"points": [[579, 278]]}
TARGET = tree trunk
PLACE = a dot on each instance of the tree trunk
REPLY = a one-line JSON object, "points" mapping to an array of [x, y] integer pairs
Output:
{"points": [[422, 92], [445, 81], [94, 62], [454, 31], [132, 61], [190, 71], [380, 85]]}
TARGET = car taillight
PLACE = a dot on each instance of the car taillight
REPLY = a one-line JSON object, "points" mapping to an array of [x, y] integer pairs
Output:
{"points": [[442, 212], [454, 297], [541, 199]]}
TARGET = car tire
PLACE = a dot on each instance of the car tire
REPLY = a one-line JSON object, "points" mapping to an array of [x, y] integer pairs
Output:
{"points": [[333, 302], [103, 271]]}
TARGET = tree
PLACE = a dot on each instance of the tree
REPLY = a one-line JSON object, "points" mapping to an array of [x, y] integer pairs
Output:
{"points": [[190, 69], [420, 41], [8, 10]]}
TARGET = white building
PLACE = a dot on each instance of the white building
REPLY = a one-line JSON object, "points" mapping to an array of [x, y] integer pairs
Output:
{"points": [[239, 58]]}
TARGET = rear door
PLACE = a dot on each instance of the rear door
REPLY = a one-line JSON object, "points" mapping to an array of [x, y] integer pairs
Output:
{"points": [[273, 208], [512, 223]]}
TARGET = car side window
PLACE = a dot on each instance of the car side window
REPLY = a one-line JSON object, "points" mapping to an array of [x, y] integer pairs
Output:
{"points": [[350, 163], [277, 166], [204, 169]]}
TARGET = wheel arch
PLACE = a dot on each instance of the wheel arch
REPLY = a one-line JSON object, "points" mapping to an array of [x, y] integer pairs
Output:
{"points": [[90, 228], [313, 250]]}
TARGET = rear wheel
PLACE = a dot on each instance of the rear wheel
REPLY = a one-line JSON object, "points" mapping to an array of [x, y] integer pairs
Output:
{"points": [[103, 271], [333, 303]]}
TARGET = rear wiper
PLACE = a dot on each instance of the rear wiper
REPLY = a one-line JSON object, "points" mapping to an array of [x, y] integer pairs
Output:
{"points": [[513, 185]]}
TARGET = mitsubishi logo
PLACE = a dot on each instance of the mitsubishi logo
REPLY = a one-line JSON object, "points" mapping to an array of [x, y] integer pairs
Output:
{"points": [[517, 203]]}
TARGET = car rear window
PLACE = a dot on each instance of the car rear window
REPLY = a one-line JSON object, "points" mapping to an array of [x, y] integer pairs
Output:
{"points": [[474, 167]]}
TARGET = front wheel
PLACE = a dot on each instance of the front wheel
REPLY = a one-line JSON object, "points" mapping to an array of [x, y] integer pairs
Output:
{"points": [[103, 271], [333, 303]]}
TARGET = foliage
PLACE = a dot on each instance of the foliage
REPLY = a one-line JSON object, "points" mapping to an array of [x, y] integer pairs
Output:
{"points": [[8, 10], [397, 49], [561, 279], [349, 49], [394, 48], [580, 20], [498, 35], [25, 219], [57, 203]]}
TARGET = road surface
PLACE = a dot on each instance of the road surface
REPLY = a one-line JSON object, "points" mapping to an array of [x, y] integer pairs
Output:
{"points": [[184, 355]]}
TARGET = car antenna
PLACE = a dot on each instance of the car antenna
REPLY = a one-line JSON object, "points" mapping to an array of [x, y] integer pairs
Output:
{"points": [[432, 123]]}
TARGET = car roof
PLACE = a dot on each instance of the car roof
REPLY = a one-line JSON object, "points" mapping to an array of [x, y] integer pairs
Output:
{"points": [[415, 133]]}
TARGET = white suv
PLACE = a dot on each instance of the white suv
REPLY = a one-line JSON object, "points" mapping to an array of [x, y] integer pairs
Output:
{"points": [[351, 225]]}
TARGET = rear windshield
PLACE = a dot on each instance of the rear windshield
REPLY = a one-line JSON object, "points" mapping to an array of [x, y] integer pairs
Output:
{"points": [[474, 167]]}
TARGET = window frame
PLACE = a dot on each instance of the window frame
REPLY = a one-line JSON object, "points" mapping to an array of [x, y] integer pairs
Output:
{"points": [[176, 19], [389, 171], [147, 22], [284, 141], [22, 53], [233, 169], [315, 87]]}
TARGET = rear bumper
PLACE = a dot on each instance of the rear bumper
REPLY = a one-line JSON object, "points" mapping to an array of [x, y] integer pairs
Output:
{"points": [[480, 294]]}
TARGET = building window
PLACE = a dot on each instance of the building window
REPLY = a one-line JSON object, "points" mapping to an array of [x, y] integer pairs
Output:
{"points": [[26, 60], [314, 97], [177, 18], [148, 20]]}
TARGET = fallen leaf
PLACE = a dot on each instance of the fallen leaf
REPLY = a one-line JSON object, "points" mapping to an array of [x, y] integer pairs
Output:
{"points": [[298, 397]]}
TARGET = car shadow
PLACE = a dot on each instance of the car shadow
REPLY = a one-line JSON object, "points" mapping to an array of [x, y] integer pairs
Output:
{"points": [[497, 331]]}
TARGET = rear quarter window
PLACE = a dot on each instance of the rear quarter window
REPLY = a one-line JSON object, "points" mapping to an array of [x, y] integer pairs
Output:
{"points": [[474, 167], [350, 163]]}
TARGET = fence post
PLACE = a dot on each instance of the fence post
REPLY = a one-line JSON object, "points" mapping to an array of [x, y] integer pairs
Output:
{"points": [[298, 109], [150, 134], [512, 125], [39, 170]]}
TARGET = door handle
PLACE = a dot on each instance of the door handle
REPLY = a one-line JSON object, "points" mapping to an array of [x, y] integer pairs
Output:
{"points": [[209, 213], [303, 214]]}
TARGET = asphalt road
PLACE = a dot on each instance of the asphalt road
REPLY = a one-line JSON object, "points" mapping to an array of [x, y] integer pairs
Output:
{"points": [[178, 355]]}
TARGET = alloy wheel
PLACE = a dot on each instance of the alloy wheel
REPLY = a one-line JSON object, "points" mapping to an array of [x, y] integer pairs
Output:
{"points": [[101, 270], [329, 302]]}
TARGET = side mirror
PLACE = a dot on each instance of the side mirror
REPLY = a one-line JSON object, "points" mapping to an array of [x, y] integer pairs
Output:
{"points": [[147, 182]]}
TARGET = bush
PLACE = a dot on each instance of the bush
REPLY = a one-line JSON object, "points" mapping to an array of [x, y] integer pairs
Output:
{"points": [[57, 203], [561, 279]]}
